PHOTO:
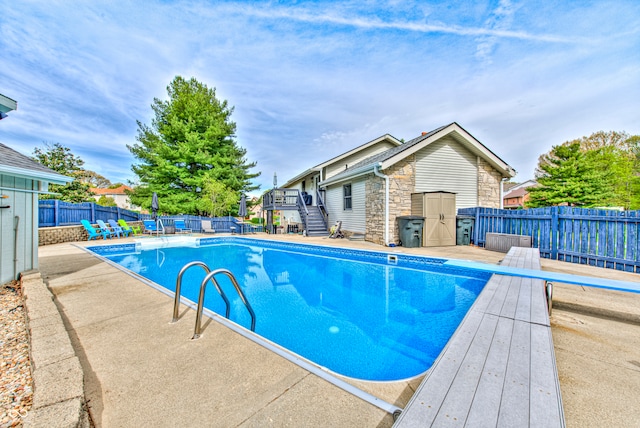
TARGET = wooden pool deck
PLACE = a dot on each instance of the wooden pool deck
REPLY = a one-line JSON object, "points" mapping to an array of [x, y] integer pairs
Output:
{"points": [[499, 368]]}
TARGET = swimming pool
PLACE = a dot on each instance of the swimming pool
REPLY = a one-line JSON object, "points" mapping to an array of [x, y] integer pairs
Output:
{"points": [[361, 314]]}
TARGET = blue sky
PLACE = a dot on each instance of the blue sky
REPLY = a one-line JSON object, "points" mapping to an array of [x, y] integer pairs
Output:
{"points": [[310, 79]]}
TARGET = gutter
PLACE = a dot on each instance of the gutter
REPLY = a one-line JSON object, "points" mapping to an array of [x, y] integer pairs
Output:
{"points": [[366, 169], [386, 202], [30, 174]]}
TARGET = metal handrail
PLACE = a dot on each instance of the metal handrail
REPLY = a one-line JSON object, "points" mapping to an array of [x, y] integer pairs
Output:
{"points": [[203, 286], [323, 208], [176, 299]]}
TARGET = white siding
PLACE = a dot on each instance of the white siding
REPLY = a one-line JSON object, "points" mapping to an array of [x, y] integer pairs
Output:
{"points": [[446, 166], [340, 165], [354, 219], [25, 206]]}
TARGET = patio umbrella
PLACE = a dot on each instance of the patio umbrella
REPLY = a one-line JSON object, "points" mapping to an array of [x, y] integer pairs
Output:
{"points": [[155, 206], [242, 211]]}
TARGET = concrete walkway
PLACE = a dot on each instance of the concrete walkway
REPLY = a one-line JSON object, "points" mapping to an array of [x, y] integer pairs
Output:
{"points": [[142, 371]]}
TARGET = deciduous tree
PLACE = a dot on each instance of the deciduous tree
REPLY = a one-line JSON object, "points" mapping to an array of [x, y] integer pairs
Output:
{"points": [[60, 159], [602, 169]]}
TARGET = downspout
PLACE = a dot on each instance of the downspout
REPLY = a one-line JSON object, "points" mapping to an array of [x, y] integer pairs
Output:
{"points": [[16, 223], [386, 202], [502, 192]]}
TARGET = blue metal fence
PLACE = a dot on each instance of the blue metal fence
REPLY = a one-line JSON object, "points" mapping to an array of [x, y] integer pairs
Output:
{"points": [[596, 237]]}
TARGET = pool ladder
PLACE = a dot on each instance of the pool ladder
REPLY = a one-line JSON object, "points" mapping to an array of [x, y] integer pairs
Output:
{"points": [[210, 277]]}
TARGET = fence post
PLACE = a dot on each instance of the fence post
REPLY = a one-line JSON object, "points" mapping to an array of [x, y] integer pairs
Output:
{"points": [[56, 212], [476, 229], [554, 233], [117, 212], [93, 213]]}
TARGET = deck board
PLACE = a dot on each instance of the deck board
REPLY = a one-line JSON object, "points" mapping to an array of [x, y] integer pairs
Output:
{"points": [[498, 369]]}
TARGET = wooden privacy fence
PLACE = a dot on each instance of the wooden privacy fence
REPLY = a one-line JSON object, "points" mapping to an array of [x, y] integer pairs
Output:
{"points": [[52, 212], [596, 237]]}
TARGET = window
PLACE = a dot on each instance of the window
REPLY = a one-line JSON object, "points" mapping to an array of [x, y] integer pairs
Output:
{"points": [[346, 191]]}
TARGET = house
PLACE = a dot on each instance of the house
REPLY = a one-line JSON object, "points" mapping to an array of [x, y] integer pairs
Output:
{"points": [[6, 105], [119, 195], [21, 180], [517, 195], [368, 187]]}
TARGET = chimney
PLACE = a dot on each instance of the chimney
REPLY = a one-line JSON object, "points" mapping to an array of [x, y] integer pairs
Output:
{"points": [[424, 133]]}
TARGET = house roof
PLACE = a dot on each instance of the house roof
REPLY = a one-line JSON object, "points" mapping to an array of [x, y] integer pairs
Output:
{"points": [[7, 104], [516, 193], [396, 154], [19, 165], [115, 191], [338, 158]]}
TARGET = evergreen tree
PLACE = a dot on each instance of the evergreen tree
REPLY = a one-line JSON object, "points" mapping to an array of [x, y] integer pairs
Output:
{"points": [[568, 175], [606, 162], [61, 160], [190, 139]]}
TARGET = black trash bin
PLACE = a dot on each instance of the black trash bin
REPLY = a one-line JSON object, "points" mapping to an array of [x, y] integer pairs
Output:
{"points": [[410, 230], [464, 229]]}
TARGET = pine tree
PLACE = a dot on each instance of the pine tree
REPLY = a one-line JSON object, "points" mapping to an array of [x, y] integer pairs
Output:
{"points": [[568, 175], [190, 140]]}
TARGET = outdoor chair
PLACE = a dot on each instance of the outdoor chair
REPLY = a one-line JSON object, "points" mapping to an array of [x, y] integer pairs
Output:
{"points": [[206, 227], [109, 229], [150, 226], [181, 227], [336, 232], [119, 230], [133, 229], [93, 232]]}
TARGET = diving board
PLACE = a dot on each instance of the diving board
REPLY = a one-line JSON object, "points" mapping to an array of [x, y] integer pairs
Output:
{"points": [[566, 278]]}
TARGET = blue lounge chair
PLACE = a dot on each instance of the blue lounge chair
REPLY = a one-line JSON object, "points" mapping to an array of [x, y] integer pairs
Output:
{"points": [[93, 232], [133, 229], [119, 230], [108, 229], [181, 227], [150, 226]]}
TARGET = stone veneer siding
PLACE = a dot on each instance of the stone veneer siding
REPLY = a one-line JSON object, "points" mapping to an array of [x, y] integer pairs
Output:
{"points": [[401, 185], [60, 234], [488, 185]]}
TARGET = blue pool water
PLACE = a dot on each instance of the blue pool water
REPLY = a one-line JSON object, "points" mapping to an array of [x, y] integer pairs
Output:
{"points": [[355, 313]]}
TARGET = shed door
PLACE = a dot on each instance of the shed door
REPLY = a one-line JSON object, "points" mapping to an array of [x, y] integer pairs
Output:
{"points": [[440, 219]]}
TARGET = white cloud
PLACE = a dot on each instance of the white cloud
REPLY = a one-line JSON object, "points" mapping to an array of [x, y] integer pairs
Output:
{"points": [[311, 80]]}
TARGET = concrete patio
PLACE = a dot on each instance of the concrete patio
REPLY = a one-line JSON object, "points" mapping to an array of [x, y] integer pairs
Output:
{"points": [[141, 370]]}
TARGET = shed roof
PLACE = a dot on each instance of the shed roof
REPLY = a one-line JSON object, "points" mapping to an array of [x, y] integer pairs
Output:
{"points": [[19, 165]]}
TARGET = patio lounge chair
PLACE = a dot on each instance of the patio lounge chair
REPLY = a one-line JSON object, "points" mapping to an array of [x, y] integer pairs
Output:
{"points": [[93, 232], [336, 232], [119, 230], [181, 227], [206, 227], [150, 227], [133, 229], [109, 229]]}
